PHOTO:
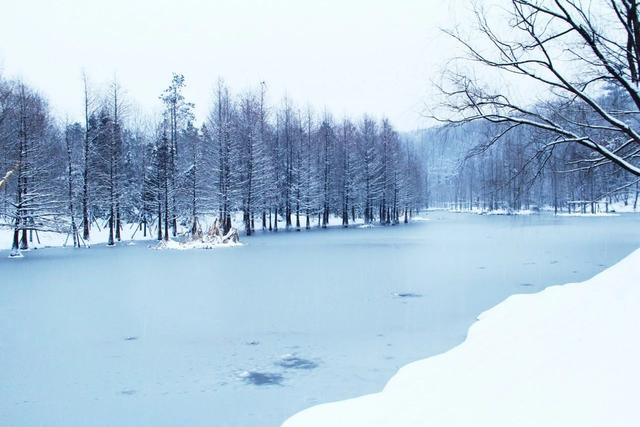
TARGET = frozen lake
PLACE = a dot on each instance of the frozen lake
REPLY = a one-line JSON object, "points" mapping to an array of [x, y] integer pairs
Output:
{"points": [[248, 336]]}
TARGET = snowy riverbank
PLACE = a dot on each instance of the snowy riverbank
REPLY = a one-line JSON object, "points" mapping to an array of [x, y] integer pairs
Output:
{"points": [[567, 356], [132, 233], [614, 209], [51, 239]]}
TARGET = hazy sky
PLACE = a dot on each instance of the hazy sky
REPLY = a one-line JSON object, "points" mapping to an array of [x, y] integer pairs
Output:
{"points": [[350, 56]]}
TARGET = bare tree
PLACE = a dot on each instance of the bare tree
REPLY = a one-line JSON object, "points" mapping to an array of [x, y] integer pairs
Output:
{"points": [[177, 112], [37, 204], [70, 187], [88, 105], [577, 51]]}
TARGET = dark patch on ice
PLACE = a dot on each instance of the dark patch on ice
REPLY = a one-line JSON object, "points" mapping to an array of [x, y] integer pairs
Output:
{"points": [[131, 338], [527, 284], [407, 295], [554, 262], [253, 343], [529, 263], [128, 392], [291, 361], [262, 378]]}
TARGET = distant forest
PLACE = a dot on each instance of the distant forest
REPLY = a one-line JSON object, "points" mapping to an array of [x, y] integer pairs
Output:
{"points": [[465, 169], [544, 105]]}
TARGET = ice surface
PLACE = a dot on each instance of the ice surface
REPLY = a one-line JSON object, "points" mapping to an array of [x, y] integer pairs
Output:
{"points": [[323, 296]]}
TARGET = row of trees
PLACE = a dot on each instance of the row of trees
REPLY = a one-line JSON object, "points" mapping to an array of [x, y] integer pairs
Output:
{"points": [[266, 164]]}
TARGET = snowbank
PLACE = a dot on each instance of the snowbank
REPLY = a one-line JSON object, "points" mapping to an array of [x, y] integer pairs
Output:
{"points": [[212, 239], [589, 215], [508, 212], [48, 239], [567, 356], [491, 212], [194, 244], [622, 208]]}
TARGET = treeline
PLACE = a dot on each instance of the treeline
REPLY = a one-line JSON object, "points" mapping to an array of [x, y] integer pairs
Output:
{"points": [[267, 162], [529, 168]]}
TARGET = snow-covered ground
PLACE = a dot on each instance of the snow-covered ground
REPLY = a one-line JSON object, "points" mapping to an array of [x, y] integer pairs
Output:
{"points": [[567, 356], [588, 215], [621, 207], [49, 239], [490, 212], [194, 244], [132, 233], [614, 209]]}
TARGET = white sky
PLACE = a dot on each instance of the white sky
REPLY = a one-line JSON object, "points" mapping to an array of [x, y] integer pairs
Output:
{"points": [[350, 56]]}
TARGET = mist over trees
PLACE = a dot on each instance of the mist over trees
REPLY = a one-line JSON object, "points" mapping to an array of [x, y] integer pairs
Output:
{"points": [[464, 172], [265, 162], [574, 140]]}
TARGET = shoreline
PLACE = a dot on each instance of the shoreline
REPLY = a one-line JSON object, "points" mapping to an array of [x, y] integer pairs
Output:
{"points": [[563, 356]]}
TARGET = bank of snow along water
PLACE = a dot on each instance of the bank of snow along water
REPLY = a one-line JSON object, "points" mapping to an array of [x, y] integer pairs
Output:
{"points": [[567, 356]]}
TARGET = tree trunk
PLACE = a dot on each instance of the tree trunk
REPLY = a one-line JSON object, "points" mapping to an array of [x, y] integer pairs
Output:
{"points": [[86, 222], [159, 220], [118, 222], [15, 247], [111, 221], [275, 220]]}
